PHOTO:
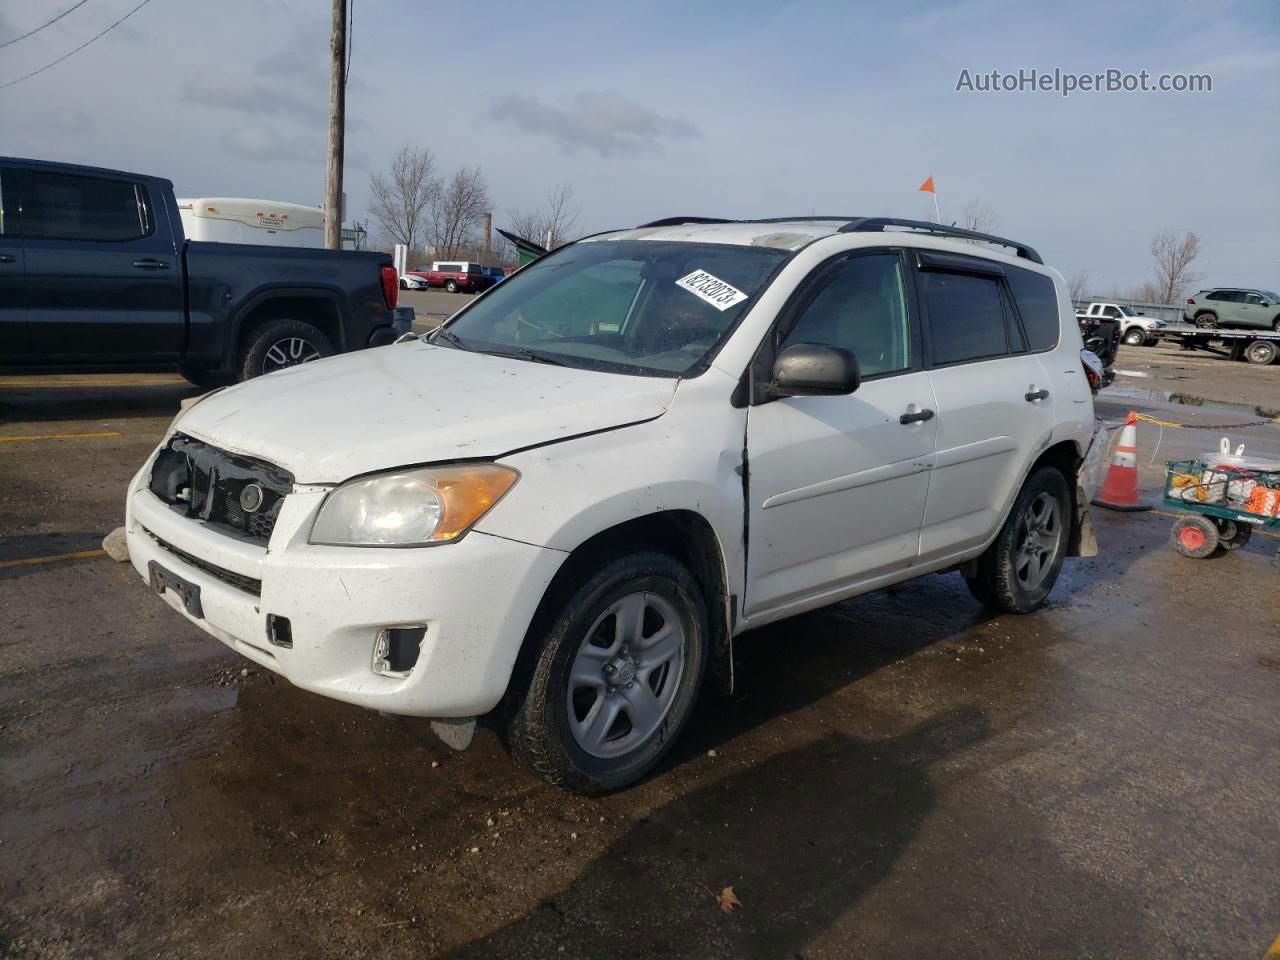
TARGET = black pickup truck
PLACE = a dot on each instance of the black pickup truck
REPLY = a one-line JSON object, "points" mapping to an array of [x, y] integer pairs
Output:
{"points": [[95, 273]]}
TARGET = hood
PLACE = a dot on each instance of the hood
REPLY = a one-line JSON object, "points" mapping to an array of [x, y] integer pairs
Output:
{"points": [[411, 403]]}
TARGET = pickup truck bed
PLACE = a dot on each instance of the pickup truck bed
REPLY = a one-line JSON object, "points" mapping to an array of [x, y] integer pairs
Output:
{"points": [[95, 272]]}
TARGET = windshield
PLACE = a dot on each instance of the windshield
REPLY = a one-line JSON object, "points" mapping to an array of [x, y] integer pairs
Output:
{"points": [[1271, 295], [646, 307]]}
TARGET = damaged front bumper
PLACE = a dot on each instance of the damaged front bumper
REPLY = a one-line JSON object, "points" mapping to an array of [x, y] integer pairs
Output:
{"points": [[321, 616]]}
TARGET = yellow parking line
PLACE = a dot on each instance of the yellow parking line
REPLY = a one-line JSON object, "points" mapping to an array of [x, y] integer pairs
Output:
{"points": [[36, 561], [39, 381], [63, 436], [1274, 952]]}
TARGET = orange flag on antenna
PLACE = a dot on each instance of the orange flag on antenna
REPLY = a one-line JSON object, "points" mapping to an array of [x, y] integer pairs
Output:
{"points": [[927, 186]]}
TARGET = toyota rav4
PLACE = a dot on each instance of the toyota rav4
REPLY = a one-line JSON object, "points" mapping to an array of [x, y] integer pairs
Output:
{"points": [[563, 505]]}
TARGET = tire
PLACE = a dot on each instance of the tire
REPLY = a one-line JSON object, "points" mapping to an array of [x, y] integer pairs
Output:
{"points": [[1016, 573], [1262, 352], [551, 726], [282, 343], [202, 377], [1195, 536], [1136, 337], [1206, 321], [452, 286], [1233, 535]]}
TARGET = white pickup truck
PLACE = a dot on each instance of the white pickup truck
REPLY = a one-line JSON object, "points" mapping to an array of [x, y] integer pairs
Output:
{"points": [[1135, 329]]}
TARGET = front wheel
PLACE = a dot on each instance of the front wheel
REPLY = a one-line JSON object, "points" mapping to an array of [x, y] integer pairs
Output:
{"points": [[451, 286], [1135, 337], [1016, 573], [283, 343], [615, 677]]}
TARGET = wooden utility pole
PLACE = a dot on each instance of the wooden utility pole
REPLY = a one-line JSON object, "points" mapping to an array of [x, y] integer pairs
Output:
{"points": [[337, 125]]}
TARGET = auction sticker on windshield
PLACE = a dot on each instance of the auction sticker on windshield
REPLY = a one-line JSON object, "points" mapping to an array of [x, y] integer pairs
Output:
{"points": [[711, 289]]}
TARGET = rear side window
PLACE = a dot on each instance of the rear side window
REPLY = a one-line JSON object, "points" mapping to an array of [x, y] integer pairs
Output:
{"points": [[966, 319], [67, 207], [1037, 303]]}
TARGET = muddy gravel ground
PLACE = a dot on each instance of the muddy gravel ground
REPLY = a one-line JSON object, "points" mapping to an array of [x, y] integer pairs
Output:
{"points": [[900, 775]]}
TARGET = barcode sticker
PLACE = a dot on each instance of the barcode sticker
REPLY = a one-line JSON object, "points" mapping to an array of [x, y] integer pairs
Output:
{"points": [[711, 289]]}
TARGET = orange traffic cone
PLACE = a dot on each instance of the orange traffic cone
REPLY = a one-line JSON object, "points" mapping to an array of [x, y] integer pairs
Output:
{"points": [[1120, 489]]}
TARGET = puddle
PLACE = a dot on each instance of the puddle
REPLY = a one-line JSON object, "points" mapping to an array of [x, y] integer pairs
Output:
{"points": [[1187, 400]]}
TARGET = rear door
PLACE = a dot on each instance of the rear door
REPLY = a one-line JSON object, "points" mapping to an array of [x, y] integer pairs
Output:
{"points": [[994, 398], [837, 485], [104, 281], [1253, 312], [14, 342]]}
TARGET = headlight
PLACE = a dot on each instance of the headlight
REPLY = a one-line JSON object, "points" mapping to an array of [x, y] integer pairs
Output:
{"points": [[410, 508]]}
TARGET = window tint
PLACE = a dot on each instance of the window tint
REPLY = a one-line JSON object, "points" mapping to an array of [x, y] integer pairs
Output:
{"points": [[1111, 312], [1037, 302], [862, 308], [966, 321], [1253, 298], [81, 208]]}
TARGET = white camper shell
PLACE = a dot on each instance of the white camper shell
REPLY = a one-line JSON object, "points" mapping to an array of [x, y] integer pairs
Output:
{"points": [[246, 220]]}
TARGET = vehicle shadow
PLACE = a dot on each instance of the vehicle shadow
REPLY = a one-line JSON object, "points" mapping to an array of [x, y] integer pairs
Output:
{"points": [[801, 837], [41, 404]]}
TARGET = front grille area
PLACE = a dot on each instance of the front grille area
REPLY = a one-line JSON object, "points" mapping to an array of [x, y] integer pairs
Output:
{"points": [[221, 488], [239, 581]]}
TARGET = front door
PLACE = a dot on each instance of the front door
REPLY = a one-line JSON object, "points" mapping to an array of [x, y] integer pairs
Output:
{"points": [[104, 280], [13, 297], [995, 402], [837, 485]]}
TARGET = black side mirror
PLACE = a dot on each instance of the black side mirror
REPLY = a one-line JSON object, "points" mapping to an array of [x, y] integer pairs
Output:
{"points": [[814, 370]]}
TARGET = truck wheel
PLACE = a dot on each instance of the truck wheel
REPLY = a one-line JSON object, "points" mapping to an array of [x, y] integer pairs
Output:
{"points": [[201, 377], [1233, 535], [283, 343], [452, 286], [1135, 337], [1195, 536], [616, 676], [1018, 570], [1262, 352], [1206, 321]]}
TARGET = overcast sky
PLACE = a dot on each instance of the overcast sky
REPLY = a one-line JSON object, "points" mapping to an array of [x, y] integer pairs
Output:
{"points": [[720, 109]]}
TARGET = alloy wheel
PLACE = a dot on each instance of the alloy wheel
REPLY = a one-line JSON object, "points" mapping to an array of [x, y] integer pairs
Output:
{"points": [[1039, 538], [625, 675], [289, 352]]}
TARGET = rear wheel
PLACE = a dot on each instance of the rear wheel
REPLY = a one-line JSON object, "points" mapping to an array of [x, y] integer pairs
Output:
{"points": [[615, 677], [1195, 536], [1206, 321], [283, 343], [1233, 535], [1262, 352], [1018, 570]]}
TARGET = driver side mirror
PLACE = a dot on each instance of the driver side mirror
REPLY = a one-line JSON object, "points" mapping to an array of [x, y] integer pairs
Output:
{"points": [[814, 370]]}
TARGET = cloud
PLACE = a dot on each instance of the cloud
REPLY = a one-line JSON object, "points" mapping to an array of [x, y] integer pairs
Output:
{"points": [[262, 145], [607, 123]]}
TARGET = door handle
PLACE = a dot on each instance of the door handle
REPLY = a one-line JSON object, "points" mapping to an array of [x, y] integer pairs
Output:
{"points": [[919, 416], [8, 258], [1035, 395], [151, 264]]}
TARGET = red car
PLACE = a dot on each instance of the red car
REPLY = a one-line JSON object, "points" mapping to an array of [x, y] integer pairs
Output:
{"points": [[456, 276]]}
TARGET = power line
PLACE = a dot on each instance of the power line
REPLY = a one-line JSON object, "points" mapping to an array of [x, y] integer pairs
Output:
{"points": [[351, 22], [47, 23], [66, 56]]}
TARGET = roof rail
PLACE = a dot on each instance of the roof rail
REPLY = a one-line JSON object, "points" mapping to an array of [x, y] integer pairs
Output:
{"points": [[869, 224], [677, 221]]}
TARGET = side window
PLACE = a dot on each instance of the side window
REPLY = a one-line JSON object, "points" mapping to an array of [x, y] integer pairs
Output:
{"points": [[1037, 302], [1112, 312], [966, 320], [1253, 298], [66, 207], [862, 308]]}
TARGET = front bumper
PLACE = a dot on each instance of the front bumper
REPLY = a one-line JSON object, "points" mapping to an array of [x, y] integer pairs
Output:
{"points": [[475, 597]]}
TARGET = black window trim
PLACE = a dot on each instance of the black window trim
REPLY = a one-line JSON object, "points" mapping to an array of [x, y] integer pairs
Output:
{"points": [[927, 261], [752, 389], [1017, 312], [142, 196]]}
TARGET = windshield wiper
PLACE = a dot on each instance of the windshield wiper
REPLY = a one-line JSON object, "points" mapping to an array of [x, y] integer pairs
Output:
{"points": [[449, 337], [525, 353]]}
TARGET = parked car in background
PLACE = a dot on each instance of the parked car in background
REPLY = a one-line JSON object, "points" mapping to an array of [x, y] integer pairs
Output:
{"points": [[1135, 329], [498, 273], [413, 281], [1234, 307], [572, 497], [95, 271], [457, 276]]}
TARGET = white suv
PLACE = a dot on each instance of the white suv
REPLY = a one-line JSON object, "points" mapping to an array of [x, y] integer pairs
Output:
{"points": [[570, 499]]}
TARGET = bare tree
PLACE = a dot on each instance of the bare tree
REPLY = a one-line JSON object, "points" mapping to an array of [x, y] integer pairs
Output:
{"points": [[457, 211], [1148, 293], [1078, 284], [978, 214], [401, 199], [1174, 256], [552, 225]]}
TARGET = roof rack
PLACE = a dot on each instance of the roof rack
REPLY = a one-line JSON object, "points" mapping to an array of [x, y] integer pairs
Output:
{"points": [[869, 224], [678, 221]]}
